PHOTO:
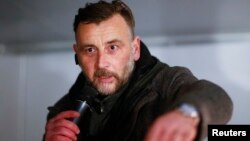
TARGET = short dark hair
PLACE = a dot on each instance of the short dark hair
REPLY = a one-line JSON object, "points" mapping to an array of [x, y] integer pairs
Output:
{"points": [[102, 10]]}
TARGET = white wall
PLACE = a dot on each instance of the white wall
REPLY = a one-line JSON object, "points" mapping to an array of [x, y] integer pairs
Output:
{"points": [[29, 83], [9, 102]]}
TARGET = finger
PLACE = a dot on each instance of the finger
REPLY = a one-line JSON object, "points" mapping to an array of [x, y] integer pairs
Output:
{"points": [[177, 137], [156, 131], [58, 138], [182, 134], [65, 123], [62, 115], [62, 131], [189, 135], [67, 114], [59, 126], [168, 133]]}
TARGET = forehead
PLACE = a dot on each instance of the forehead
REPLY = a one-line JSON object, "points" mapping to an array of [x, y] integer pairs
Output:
{"points": [[114, 26]]}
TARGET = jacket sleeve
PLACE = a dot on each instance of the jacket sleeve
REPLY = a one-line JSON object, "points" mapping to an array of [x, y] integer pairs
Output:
{"points": [[178, 85]]}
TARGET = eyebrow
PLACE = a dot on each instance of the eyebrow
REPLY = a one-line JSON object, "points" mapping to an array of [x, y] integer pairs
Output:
{"points": [[87, 45], [109, 42], [115, 41]]}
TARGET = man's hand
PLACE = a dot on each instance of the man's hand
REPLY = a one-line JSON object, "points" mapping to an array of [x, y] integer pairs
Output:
{"points": [[61, 129], [173, 126]]}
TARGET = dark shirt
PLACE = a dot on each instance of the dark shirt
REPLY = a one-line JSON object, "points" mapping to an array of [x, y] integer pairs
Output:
{"points": [[99, 119]]}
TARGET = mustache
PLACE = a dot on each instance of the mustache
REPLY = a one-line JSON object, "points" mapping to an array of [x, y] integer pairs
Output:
{"points": [[104, 72]]}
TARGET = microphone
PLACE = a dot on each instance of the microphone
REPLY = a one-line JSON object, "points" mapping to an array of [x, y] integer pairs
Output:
{"points": [[84, 102], [81, 107]]}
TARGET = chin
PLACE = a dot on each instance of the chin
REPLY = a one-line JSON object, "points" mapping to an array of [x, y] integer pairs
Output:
{"points": [[107, 89]]}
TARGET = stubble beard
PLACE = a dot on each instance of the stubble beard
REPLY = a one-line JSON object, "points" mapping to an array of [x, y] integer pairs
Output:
{"points": [[105, 88]]}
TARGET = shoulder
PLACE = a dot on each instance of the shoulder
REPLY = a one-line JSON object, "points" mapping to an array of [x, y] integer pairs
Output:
{"points": [[170, 74]]}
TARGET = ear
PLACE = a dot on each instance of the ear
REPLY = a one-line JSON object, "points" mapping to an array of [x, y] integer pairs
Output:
{"points": [[75, 47], [137, 48]]}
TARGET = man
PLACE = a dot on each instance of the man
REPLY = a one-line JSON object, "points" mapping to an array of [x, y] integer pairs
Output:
{"points": [[137, 97]]}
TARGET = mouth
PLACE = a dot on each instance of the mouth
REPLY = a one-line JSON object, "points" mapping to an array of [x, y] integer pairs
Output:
{"points": [[105, 76], [105, 79]]}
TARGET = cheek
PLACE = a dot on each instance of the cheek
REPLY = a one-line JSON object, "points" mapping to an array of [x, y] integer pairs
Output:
{"points": [[88, 68], [122, 63]]}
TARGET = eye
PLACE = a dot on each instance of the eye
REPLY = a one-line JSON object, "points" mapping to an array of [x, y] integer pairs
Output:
{"points": [[113, 47], [89, 50]]}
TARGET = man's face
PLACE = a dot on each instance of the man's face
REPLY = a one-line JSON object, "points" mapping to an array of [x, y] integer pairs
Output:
{"points": [[106, 53]]}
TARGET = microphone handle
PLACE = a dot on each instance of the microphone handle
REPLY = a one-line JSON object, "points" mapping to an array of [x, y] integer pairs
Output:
{"points": [[81, 107]]}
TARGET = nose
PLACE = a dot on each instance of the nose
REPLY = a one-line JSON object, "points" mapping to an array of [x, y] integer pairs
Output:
{"points": [[103, 60]]}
